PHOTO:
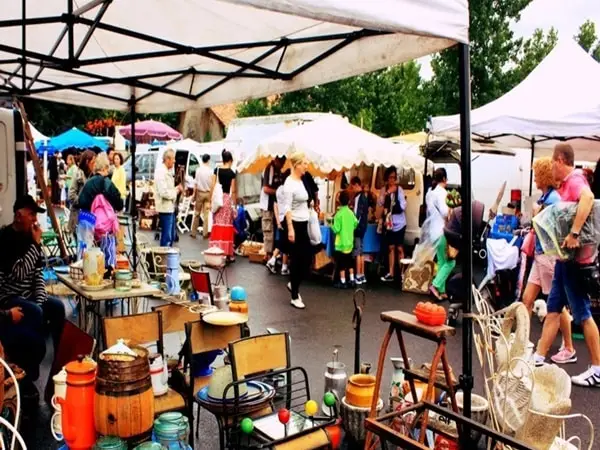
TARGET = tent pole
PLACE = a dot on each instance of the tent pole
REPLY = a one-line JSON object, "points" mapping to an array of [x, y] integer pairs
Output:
{"points": [[532, 142], [466, 379], [133, 206]]}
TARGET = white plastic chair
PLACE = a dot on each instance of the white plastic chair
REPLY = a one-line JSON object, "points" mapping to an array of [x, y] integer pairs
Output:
{"points": [[182, 215]]}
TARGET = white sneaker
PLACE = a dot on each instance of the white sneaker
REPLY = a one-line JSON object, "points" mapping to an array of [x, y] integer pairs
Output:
{"points": [[285, 272], [589, 378], [271, 267], [298, 303], [289, 286]]}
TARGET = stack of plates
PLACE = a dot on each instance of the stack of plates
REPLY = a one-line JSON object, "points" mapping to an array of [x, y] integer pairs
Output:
{"points": [[259, 394]]}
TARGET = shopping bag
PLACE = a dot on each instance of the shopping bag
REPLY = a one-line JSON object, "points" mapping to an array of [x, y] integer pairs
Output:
{"points": [[314, 228]]}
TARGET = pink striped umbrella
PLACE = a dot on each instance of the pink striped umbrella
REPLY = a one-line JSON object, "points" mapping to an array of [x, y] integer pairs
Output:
{"points": [[147, 131]]}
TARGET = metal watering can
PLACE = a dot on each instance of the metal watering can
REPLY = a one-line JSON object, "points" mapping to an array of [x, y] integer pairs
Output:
{"points": [[335, 379]]}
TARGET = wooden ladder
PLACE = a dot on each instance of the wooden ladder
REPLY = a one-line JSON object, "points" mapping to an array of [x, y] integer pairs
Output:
{"points": [[400, 321]]}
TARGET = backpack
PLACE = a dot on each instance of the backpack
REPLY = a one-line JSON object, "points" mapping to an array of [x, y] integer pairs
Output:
{"points": [[107, 221]]}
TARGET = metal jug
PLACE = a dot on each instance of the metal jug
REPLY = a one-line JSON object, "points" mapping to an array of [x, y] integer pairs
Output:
{"points": [[335, 379]]}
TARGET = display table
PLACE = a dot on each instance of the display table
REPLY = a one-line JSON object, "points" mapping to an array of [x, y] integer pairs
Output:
{"points": [[90, 302], [371, 241]]}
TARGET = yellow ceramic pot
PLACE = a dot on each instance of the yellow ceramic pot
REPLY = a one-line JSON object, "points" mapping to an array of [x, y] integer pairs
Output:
{"points": [[360, 389]]}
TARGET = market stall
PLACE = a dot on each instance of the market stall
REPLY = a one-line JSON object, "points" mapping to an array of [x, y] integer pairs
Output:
{"points": [[335, 148]]}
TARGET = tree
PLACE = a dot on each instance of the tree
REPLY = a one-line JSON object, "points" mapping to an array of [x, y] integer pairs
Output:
{"points": [[386, 102], [531, 54], [588, 39], [493, 47]]}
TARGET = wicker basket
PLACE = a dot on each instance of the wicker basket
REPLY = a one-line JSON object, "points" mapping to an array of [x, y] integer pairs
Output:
{"points": [[322, 260], [76, 272]]}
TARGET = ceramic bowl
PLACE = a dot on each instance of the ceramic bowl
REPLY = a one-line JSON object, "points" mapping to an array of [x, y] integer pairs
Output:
{"points": [[359, 390], [219, 380]]}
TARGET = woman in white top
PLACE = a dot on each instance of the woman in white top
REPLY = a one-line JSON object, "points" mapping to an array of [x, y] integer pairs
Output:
{"points": [[295, 202], [437, 213]]}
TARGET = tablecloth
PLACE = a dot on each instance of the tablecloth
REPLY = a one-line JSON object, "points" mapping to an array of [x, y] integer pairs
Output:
{"points": [[371, 241]]}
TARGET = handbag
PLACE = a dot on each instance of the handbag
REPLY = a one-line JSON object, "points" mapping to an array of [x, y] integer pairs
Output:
{"points": [[314, 228], [217, 196]]}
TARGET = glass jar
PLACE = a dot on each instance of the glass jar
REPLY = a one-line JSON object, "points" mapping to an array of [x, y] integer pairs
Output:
{"points": [[150, 446], [123, 280], [110, 443], [171, 430]]}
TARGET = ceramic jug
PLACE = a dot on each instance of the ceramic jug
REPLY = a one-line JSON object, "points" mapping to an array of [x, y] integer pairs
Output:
{"points": [[78, 406], [60, 392], [159, 374]]}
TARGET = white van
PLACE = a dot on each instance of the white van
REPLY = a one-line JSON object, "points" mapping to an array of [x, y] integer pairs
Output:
{"points": [[13, 162], [187, 153]]}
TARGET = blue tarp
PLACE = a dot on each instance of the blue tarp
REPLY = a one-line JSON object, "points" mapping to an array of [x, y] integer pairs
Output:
{"points": [[74, 138]]}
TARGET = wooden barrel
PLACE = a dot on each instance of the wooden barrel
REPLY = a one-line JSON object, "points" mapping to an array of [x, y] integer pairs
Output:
{"points": [[124, 402]]}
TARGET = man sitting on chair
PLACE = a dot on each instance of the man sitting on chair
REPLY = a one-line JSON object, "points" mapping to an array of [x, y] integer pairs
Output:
{"points": [[24, 303]]}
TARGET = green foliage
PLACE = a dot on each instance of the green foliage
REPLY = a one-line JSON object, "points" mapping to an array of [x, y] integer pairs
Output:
{"points": [[386, 102], [588, 39], [493, 47], [531, 54]]}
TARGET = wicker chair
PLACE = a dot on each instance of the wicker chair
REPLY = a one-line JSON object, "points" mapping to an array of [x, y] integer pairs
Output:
{"points": [[529, 403]]}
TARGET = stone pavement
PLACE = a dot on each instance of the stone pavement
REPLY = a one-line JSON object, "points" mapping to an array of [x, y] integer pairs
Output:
{"points": [[326, 322]]}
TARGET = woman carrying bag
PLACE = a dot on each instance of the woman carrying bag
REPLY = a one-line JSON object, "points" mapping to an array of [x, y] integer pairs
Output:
{"points": [[223, 198]]}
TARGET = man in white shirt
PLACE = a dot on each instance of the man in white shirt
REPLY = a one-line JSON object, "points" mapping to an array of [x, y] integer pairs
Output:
{"points": [[202, 185], [165, 195]]}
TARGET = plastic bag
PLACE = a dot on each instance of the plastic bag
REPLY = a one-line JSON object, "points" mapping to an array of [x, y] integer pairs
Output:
{"points": [[314, 228], [554, 223]]}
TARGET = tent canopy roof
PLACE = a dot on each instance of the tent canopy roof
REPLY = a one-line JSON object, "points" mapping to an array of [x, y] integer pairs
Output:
{"points": [[332, 144], [75, 138], [181, 53], [560, 98]]}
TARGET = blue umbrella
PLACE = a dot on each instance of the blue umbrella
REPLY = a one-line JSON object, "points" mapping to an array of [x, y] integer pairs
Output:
{"points": [[75, 138]]}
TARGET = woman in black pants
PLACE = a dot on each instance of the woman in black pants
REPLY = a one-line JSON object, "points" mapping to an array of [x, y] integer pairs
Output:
{"points": [[296, 205]]}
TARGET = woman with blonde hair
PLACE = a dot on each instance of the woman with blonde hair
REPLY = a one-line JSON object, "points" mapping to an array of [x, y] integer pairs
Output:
{"points": [[296, 204], [542, 271]]}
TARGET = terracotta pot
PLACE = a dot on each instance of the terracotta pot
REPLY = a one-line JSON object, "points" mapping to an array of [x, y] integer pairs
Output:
{"points": [[359, 390]]}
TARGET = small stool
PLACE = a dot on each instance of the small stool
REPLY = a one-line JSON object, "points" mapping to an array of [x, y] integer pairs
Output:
{"points": [[400, 321]]}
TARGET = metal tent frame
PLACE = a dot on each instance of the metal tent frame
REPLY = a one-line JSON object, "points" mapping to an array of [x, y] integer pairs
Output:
{"points": [[76, 65]]}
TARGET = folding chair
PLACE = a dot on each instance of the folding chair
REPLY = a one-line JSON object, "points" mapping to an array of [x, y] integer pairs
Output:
{"points": [[201, 338], [141, 329], [201, 283], [182, 215]]}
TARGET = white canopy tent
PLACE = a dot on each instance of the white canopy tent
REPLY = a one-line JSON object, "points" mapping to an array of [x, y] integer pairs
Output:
{"points": [[332, 144], [216, 51], [559, 100]]}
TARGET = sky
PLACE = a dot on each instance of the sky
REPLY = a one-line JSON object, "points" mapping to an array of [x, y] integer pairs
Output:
{"points": [[564, 15]]}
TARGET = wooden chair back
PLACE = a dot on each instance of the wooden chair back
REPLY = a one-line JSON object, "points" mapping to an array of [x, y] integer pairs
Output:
{"points": [[174, 317], [258, 354], [204, 337], [139, 328]]}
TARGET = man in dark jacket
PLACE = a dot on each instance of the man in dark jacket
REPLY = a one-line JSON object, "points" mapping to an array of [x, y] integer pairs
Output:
{"points": [[26, 311], [360, 205]]}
